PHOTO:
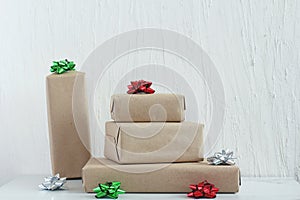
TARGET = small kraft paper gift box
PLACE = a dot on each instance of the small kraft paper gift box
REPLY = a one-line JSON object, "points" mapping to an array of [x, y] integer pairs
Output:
{"points": [[148, 107], [68, 152], [175, 177], [153, 142]]}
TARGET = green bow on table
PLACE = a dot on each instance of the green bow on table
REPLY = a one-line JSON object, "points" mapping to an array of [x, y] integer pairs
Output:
{"points": [[62, 66], [109, 189]]}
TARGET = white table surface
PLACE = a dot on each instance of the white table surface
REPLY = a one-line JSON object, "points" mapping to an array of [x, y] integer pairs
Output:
{"points": [[26, 187]]}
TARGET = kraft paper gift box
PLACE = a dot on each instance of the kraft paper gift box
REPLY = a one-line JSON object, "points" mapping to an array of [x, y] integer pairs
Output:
{"points": [[68, 152], [175, 177], [153, 142], [148, 107]]}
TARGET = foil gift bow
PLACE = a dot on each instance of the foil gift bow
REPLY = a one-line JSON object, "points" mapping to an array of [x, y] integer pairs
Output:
{"points": [[53, 182], [109, 189], [203, 190], [224, 157], [140, 86], [62, 66]]}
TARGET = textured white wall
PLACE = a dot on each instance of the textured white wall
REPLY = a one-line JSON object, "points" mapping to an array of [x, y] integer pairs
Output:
{"points": [[255, 46]]}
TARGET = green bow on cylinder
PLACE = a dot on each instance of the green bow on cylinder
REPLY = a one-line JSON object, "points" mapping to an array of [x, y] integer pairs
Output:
{"points": [[62, 66], [109, 189]]}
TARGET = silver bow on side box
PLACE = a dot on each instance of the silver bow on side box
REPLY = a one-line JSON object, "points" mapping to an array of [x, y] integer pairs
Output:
{"points": [[53, 182], [225, 157]]}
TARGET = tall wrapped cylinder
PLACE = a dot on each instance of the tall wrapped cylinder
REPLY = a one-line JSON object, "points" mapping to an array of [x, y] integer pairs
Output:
{"points": [[68, 123]]}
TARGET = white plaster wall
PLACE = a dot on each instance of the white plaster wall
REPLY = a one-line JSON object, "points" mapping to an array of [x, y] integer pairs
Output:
{"points": [[255, 46]]}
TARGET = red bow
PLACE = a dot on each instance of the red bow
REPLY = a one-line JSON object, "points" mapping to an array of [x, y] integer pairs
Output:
{"points": [[140, 86], [203, 190]]}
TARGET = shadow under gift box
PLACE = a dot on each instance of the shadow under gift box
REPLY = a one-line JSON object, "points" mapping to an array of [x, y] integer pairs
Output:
{"points": [[153, 142], [147, 107], [65, 99], [175, 177]]}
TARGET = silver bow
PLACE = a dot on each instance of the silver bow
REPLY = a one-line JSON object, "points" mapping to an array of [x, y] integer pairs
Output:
{"points": [[225, 157], [53, 182]]}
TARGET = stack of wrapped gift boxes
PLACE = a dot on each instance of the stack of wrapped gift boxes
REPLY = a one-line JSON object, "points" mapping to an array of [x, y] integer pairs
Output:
{"points": [[150, 148], [148, 145]]}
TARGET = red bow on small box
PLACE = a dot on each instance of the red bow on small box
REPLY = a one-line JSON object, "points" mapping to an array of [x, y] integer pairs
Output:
{"points": [[203, 190], [140, 86]]}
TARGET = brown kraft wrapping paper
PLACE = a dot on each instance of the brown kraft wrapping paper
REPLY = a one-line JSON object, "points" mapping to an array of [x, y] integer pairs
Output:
{"points": [[154, 142], [175, 177], [68, 152], [147, 107]]}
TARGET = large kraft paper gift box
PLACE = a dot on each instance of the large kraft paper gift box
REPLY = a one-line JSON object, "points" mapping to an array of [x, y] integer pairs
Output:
{"points": [[68, 152], [175, 177], [128, 143], [148, 107]]}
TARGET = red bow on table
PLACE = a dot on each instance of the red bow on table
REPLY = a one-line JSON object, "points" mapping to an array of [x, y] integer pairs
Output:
{"points": [[140, 86], [203, 190]]}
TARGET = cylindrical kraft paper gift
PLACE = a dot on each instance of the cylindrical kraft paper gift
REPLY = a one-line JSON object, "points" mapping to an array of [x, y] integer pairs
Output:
{"points": [[68, 123]]}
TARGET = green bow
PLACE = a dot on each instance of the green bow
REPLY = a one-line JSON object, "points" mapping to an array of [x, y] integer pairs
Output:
{"points": [[109, 189], [62, 66]]}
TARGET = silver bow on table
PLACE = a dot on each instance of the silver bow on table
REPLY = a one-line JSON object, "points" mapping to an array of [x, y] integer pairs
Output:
{"points": [[53, 182], [225, 157]]}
